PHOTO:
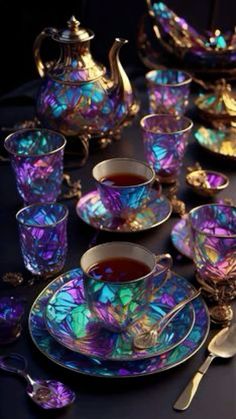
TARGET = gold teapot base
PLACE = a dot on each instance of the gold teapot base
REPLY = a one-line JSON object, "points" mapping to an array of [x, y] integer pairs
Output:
{"points": [[219, 294]]}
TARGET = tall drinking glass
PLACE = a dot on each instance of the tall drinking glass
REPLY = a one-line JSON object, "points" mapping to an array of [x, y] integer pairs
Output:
{"points": [[37, 159]]}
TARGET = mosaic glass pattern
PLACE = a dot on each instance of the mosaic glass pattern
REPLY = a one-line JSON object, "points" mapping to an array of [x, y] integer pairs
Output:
{"points": [[222, 142], [43, 237], [71, 108], [165, 138], [92, 211], [71, 323], [213, 230], [124, 201], [95, 367], [37, 160], [180, 237], [168, 91]]}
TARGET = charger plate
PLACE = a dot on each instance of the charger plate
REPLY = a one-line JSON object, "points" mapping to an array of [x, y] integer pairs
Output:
{"points": [[97, 367], [91, 210], [71, 323]]}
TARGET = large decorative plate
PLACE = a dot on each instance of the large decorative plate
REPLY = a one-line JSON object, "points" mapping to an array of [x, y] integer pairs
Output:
{"points": [[221, 142], [71, 323], [91, 210], [95, 367]]}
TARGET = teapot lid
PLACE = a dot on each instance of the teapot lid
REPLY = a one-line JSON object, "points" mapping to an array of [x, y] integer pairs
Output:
{"points": [[73, 33]]}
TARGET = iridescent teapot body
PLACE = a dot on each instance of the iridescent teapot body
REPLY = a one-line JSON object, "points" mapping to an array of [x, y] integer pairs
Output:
{"points": [[76, 95]]}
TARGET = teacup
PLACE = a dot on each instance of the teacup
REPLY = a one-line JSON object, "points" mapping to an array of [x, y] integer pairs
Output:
{"points": [[124, 185], [115, 298]]}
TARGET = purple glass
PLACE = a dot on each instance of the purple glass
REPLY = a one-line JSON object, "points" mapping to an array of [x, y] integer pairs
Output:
{"points": [[165, 138], [11, 314], [43, 237], [207, 182], [213, 229], [37, 159], [168, 91]]}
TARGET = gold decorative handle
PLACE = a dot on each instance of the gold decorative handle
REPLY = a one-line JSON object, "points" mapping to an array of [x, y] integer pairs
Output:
{"points": [[46, 33], [185, 398], [168, 258]]}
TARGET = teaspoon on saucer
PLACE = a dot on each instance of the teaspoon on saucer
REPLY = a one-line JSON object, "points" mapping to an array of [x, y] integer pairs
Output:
{"points": [[222, 345], [48, 394], [149, 338]]}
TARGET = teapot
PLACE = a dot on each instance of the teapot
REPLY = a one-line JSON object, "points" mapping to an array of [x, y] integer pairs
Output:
{"points": [[76, 96]]}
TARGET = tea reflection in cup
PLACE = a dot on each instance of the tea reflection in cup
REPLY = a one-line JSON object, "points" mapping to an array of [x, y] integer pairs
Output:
{"points": [[124, 185], [114, 298]]}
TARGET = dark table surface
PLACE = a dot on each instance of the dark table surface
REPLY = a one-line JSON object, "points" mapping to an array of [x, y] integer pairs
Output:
{"points": [[148, 397]]}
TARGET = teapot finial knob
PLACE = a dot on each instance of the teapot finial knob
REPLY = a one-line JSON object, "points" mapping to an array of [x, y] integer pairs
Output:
{"points": [[73, 24]]}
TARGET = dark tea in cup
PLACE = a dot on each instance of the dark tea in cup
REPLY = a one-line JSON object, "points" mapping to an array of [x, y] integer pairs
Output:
{"points": [[123, 179], [120, 269]]}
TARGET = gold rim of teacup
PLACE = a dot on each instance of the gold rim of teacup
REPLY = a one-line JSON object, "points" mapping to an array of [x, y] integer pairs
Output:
{"points": [[125, 159], [128, 244]]}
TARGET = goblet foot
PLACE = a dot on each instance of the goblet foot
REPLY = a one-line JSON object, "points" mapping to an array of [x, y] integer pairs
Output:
{"points": [[221, 314]]}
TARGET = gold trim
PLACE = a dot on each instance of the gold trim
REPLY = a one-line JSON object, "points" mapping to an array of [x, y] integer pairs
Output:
{"points": [[210, 234], [160, 115], [131, 231], [125, 159], [42, 205], [28, 130]]}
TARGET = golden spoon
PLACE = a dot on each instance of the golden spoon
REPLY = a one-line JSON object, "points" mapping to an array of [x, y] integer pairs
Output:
{"points": [[149, 338], [223, 345]]}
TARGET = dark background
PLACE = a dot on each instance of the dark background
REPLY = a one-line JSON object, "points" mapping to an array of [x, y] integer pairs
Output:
{"points": [[22, 21]]}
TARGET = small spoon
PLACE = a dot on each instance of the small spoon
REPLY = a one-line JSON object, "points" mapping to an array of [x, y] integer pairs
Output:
{"points": [[48, 394], [222, 345], [149, 338]]}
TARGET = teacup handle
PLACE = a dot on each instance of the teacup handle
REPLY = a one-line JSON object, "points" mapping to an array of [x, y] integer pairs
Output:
{"points": [[168, 258]]}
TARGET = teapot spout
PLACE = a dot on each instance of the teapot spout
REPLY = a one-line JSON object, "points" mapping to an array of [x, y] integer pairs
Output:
{"points": [[119, 78]]}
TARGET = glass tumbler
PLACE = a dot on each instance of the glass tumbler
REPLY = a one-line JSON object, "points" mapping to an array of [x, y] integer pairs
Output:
{"points": [[43, 237], [213, 233], [165, 138], [168, 91], [37, 160]]}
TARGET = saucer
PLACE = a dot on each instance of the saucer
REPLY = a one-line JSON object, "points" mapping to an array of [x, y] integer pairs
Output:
{"points": [[221, 142], [181, 239], [91, 210], [96, 367], [71, 323]]}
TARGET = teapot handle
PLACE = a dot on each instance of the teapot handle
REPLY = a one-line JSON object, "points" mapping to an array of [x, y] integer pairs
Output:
{"points": [[46, 33]]}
